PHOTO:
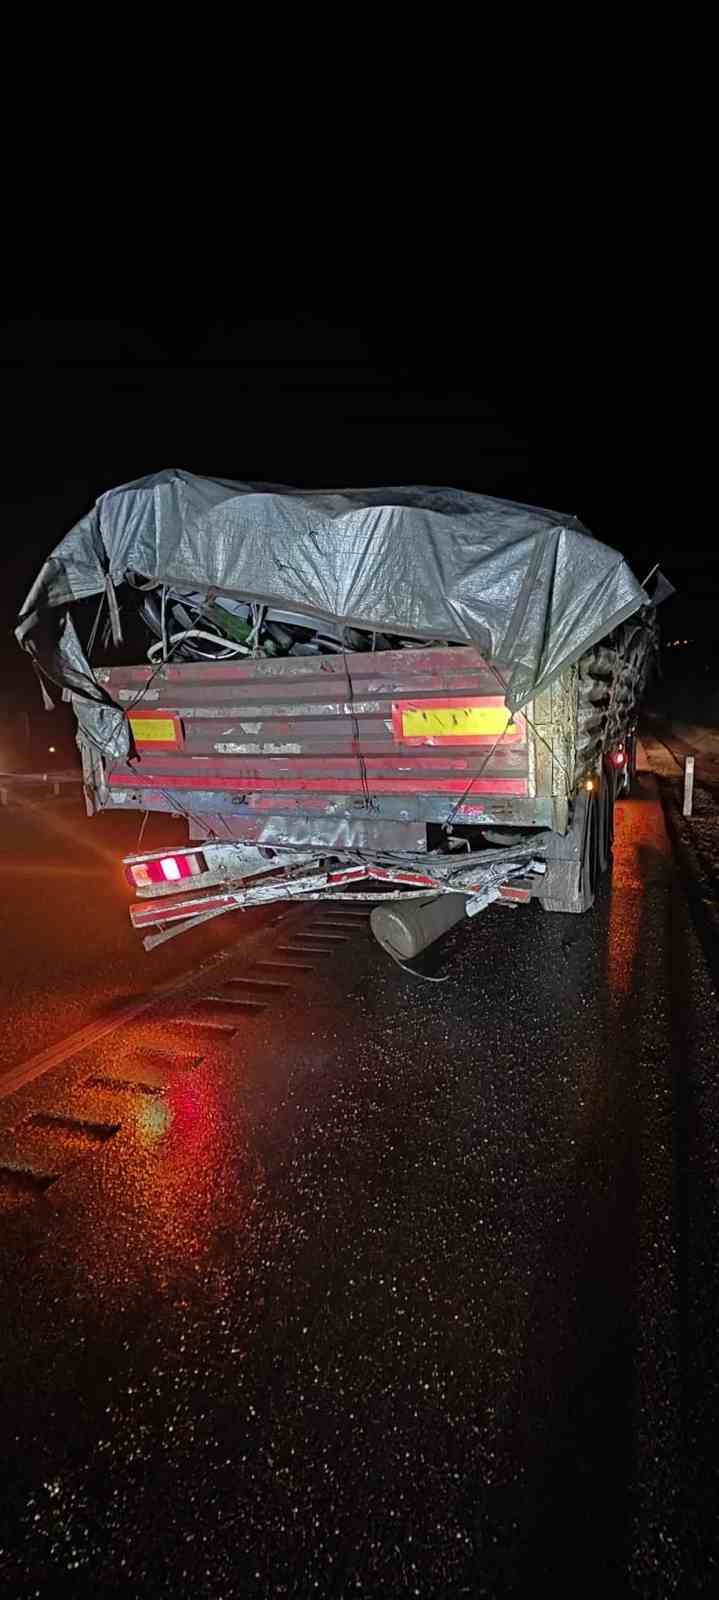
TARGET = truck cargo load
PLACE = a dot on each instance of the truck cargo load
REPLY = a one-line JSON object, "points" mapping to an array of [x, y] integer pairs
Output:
{"points": [[413, 692]]}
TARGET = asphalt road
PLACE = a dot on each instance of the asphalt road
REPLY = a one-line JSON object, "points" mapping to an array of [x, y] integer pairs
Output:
{"points": [[382, 1287], [69, 952], [682, 740]]}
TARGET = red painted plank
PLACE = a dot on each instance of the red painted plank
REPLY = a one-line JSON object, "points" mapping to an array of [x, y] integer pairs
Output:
{"points": [[338, 785]]}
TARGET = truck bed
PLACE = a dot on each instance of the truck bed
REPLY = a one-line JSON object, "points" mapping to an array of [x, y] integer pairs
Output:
{"points": [[389, 740]]}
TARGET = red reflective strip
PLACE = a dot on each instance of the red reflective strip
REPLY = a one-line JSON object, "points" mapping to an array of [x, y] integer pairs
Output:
{"points": [[149, 911], [508, 891], [383, 875], [339, 785], [393, 876], [308, 764]]}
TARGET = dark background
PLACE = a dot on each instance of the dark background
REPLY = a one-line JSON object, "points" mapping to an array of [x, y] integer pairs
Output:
{"points": [[578, 403]]}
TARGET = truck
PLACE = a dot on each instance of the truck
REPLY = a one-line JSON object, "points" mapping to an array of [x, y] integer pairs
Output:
{"points": [[422, 698]]}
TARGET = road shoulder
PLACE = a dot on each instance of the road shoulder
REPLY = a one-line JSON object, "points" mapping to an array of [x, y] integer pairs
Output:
{"points": [[695, 840]]}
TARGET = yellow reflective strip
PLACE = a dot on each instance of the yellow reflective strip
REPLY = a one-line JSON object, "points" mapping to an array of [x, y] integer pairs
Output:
{"points": [[455, 720], [158, 729]]}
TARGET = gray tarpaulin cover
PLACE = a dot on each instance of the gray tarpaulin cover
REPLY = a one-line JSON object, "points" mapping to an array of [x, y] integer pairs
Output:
{"points": [[532, 588]]}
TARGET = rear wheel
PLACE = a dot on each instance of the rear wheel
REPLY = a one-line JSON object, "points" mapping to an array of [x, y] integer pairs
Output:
{"points": [[605, 829], [632, 762], [591, 857]]}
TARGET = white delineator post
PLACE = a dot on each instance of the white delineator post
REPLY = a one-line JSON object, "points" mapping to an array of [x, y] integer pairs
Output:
{"points": [[688, 785]]}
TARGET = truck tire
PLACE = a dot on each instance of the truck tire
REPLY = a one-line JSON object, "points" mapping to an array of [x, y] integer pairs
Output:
{"points": [[586, 871], [605, 800], [632, 763]]}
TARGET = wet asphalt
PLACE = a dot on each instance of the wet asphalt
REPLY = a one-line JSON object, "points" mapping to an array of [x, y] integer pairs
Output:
{"points": [[69, 954], [380, 1287]]}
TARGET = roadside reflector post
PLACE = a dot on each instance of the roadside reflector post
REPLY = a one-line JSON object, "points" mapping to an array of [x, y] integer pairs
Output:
{"points": [[688, 785]]}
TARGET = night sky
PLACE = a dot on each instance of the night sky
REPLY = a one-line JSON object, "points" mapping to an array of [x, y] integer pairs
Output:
{"points": [[576, 407]]}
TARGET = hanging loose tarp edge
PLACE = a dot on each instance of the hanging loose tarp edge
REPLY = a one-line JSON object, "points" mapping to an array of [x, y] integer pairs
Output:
{"points": [[527, 586]]}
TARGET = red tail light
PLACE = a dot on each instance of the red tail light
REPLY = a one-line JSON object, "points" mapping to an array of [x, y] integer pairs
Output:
{"points": [[165, 869], [618, 758]]}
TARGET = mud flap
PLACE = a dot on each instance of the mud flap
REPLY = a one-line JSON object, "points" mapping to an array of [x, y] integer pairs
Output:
{"points": [[570, 883]]}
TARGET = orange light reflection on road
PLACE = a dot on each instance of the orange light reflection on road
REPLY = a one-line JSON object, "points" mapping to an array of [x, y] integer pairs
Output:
{"points": [[51, 820], [174, 1173], [627, 894], [27, 869]]}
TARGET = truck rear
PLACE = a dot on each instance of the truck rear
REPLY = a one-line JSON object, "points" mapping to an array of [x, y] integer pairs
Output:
{"points": [[327, 752]]}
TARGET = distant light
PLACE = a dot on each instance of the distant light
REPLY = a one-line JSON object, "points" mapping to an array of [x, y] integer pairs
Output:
{"points": [[51, 749], [589, 784]]}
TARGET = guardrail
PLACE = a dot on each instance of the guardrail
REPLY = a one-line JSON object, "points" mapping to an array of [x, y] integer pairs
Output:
{"points": [[54, 781]]}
